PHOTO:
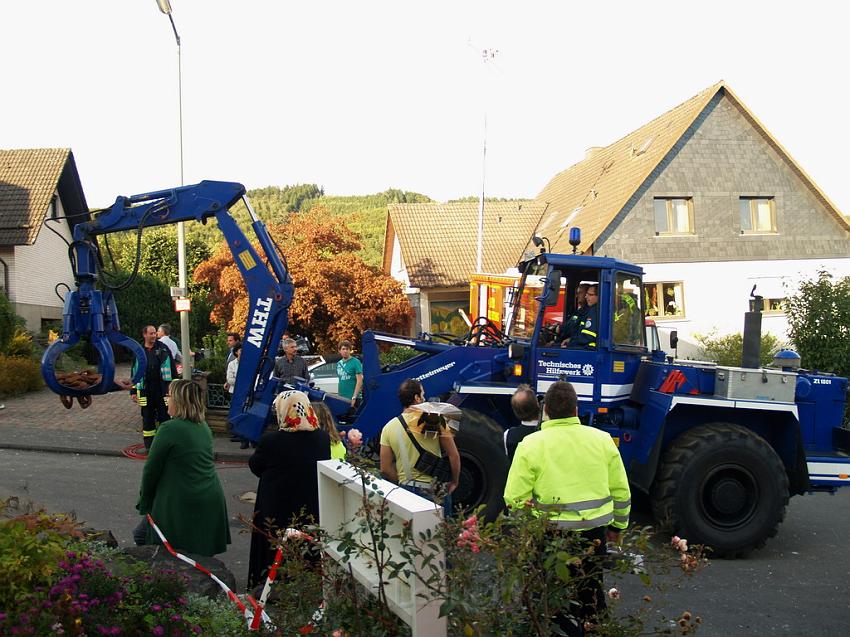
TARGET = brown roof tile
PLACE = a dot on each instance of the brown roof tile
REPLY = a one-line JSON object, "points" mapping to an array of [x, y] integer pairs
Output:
{"points": [[28, 180], [439, 241], [592, 192]]}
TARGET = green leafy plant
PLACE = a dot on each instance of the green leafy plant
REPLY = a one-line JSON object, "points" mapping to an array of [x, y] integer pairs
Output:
{"points": [[214, 617], [19, 375], [31, 545], [729, 350], [20, 344], [8, 321], [819, 323], [397, 354]]}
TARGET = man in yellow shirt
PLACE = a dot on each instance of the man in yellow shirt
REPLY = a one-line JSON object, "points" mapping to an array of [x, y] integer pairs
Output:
{"points": [[399, 454], [575, 476]]}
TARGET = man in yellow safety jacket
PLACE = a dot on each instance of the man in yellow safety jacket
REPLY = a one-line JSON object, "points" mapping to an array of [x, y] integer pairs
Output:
{"points": [[575, 475]]}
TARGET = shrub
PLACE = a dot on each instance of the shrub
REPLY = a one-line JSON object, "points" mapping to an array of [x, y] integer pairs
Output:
{"points": [[216, 361], [728, 350], [20, 344], [31, 546], [18, 375], [819, 323], [397, 354], [214, 617], [8, 321]]}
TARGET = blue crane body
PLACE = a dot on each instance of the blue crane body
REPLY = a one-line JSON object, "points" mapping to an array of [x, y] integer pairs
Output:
{"points": [[719, 450]]}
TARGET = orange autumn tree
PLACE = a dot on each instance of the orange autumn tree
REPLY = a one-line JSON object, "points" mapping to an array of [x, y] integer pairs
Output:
{"points": [[337, 295]]}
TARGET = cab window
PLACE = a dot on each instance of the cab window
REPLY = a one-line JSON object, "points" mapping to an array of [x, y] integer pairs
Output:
{"points": [[627, 323]]}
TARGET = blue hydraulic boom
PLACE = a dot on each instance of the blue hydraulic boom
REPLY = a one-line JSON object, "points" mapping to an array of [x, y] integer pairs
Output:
{"points": [[90, 312]]}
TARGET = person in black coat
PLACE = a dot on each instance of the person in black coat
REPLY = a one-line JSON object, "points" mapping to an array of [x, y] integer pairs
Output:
{"points": [[285, 462]]}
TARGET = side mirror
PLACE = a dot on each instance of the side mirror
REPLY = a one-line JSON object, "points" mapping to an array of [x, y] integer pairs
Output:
{"points": [[552, 289], [674, 339]]}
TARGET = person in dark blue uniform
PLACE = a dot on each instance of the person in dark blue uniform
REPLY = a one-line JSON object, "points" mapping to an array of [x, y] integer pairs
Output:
{"points": [[584, 333]]}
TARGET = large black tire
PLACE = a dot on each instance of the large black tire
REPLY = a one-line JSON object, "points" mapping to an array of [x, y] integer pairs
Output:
{"points": [[484, 464], [721, 485]]}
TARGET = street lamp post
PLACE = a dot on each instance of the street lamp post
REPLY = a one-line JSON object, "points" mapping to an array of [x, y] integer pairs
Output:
{"points": [[185, 347]]}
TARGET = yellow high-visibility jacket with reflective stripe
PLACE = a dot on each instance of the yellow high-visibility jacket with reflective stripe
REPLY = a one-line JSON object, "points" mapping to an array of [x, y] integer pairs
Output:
{"points": [[573, 473]]}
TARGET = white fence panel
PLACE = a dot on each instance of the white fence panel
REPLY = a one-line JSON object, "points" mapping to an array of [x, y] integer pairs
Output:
{"points": [[340, 499]]}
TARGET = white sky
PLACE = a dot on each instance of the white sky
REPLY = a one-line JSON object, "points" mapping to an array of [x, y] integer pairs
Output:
{"points": [[362, 96]]}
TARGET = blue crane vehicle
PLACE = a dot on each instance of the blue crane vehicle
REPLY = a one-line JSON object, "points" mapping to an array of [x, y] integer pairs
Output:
{"points": [[90, 313], [719, 450]]}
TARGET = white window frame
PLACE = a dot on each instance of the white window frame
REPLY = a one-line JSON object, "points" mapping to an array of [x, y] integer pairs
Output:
{"points": [[659, 287], [766, 304], [751, 203], [669, 201]]}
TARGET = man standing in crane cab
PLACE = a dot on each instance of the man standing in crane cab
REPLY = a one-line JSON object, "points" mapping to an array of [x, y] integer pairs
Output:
{"points": [[573, 474], [584, 331], [150, 392]]}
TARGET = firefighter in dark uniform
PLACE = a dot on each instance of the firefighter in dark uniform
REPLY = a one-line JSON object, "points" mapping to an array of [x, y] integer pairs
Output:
{"points": [[584, 332], [573, 474], [578, 316], [150, 392]]}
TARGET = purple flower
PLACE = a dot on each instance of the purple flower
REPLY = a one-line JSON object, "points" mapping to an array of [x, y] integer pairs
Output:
{"points": [[156, 608], [158, 630]]}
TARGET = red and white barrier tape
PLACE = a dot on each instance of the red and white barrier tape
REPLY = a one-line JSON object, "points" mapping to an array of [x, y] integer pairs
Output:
{"points": [[270, 578], [251, 614]]}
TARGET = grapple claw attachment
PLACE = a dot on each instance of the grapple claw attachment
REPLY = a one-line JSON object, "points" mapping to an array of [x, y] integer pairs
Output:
{"points": [[86, 315]]}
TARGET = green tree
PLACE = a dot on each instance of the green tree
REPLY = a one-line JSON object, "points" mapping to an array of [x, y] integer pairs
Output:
{"points": [[819, 323], [8, 322], [146, 302]]}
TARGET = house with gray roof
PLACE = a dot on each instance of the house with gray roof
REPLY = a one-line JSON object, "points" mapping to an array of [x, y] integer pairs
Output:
{"points": [[41, 198], [710, 204], [703, 197]]}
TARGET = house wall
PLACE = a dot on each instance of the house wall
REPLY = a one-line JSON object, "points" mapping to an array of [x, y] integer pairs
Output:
{"points": [[422, 299], [719, 159], [716, 295], [34, 272]]}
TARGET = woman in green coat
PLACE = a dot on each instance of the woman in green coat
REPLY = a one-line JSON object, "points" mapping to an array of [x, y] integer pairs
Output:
{"points": [[180, 488]]}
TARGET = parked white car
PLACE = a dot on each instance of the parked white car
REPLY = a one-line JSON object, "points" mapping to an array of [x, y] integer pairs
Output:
{"points": [[324, 376]]}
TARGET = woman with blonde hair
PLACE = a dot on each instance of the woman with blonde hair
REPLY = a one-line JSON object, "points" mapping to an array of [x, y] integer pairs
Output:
{"points": [[180, 487], [285, 462], [327, 424]]}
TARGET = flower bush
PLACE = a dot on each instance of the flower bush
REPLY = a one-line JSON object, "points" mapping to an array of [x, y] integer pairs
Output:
{"points": [[509, 577], [55, 583]]}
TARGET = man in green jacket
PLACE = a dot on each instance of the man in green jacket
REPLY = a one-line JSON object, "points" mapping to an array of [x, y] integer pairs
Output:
{"points": [[575, 475]]}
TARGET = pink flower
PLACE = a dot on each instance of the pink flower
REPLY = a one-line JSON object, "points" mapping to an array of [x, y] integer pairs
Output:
{"points": [[675, 540], [614, 593], [682, 546], [355, 437]]}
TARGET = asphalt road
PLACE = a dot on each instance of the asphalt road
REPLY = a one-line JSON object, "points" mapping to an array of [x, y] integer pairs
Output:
{"points": [[797, 585]]}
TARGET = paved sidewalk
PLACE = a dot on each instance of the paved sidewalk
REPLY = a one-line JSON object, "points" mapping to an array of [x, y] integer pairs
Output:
{"points": [[37, 421]]}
